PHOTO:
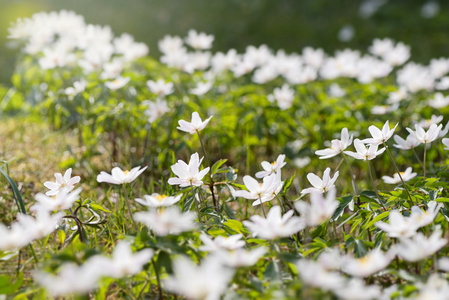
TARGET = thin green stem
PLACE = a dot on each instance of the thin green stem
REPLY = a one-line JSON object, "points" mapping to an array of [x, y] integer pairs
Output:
{"points": [[211, 181], [354, 186], [263, 209], [417, 157], [424, 160], [147, 143], [399, 173], [281, 203], [161, 296], [338, 166], [374, 185], [197, 207], [128, 205]]}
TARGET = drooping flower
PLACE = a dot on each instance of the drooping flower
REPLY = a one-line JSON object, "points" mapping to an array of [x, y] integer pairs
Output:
{"points": [[338, 146], [157, 200], [118, 176], [188, 174], [363, 152], [270, 168], [321, 185], [406, 176], [195, 125], [380, 136], [275, 226], [61, 182]]}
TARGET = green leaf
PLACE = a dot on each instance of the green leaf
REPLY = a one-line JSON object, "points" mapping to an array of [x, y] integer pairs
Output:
{"points": [[61, 236], [16, 193], [235, 226], [188, 203], [7, 287], [376, 219], [272, 271], [98, 207], [288, 183], [442, 200], [217, 165]]}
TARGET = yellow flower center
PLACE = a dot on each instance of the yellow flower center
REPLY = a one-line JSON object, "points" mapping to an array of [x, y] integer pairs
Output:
{"points": [[126, 172], [364, 260], [273, 163], [160, 197]]}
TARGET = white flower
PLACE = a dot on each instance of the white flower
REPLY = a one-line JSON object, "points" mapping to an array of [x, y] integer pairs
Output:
{"points": [[336, 91], [371, 263], [188, 174], [123, 261], [363, 152], [270, 168], [117, 83], [380, 136], [206, 281], [275, 226], [241, 257], [445, 142], [231, 242], [319, 210], [168, 221], [61, 201], [195, 125], [407, 175], [313, 274], [439, 101], [355, 289], [199, 41], [118, 176], [65, 181], [423, 218], [426, 123], [321, 185], [338, 146], [170, 44], [284, 96], [160, 87], [425, 137], [156, 200], [78, 87], [201, 88], [420, 247], [155, 110], [409, 143], [399, 225], [260, 192], [381, 46]]}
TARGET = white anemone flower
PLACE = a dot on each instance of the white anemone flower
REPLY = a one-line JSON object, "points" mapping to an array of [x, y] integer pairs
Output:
{"points": [[66, 181], [195, 125], [231, 242], [319, 210], [380, 136], [117, 83], [409, 143], [445, 142], [118, 176], [241, 257], [201, 88], [160, 87], [261, 192], [314, 274], [199, 41], [275, 225], [371, 263], [168, 221], [188, 174], [406, 176], [61, 201], [419, 246], [364, 153], [194, 282], [321, 185], [423, 136], [270, 168], [355, 289], [157, 200], [338, 146]]}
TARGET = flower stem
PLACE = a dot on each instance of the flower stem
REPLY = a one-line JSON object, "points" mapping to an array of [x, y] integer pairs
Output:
{"points": [[211, 181], [374, 185], [424, 160], [147, 143], [263, 209], [197, 208], [161, 296], [399, 173], [417, 157], [354, 186]]}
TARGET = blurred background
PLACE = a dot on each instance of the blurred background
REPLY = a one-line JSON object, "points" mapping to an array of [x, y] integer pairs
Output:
{"points": [[281, 24]]}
